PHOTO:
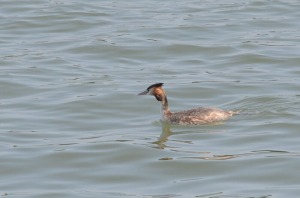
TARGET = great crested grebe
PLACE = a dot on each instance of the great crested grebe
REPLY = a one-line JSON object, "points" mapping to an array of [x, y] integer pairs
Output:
{"points": [[195, 116]]}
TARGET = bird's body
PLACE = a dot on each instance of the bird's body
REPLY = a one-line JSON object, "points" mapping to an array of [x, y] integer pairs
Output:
{"points": [[197, 116], [200, 115]]}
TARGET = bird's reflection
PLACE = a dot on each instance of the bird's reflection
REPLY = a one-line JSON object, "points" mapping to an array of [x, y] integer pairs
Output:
{"points": [[165, 133]]}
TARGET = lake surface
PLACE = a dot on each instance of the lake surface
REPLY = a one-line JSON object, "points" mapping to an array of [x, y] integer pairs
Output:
{"points": [[71, 124]]}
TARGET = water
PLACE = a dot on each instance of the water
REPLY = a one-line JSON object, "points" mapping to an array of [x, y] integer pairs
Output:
{"points": [[71, 124]]}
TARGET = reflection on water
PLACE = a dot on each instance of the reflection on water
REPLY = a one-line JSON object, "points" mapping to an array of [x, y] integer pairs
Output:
{"points": [[163, 142], [165, 133]]}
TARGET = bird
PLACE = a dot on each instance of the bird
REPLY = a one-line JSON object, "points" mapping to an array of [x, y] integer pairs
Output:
{"points": [[196, 116]]}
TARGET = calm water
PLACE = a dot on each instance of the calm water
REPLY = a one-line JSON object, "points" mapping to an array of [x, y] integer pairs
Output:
{"points": [[71, 124]]}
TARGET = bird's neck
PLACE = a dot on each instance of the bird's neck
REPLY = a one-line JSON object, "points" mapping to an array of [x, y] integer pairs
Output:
{"points": [[165, 110]]}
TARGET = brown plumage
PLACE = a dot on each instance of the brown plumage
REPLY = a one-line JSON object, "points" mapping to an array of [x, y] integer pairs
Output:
{"points": [[200, 115]]}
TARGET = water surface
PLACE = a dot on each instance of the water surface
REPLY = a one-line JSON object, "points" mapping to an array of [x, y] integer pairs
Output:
{"points": [[72, 125]]}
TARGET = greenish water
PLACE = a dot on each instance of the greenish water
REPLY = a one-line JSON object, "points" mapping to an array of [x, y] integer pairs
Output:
{"points": [[71, 124]]}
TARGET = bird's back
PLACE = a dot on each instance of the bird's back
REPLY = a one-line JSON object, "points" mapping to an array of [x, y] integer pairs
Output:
{"points": [[200, 115]]}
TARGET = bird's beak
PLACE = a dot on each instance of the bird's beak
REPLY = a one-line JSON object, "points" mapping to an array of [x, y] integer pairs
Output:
{"points": [[143, 93]]}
